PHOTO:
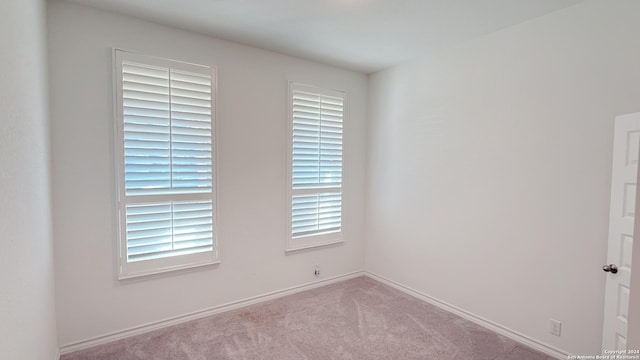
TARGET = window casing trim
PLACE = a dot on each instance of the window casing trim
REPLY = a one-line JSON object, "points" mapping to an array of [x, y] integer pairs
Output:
{"points": [[302, 243], [129, 270]]}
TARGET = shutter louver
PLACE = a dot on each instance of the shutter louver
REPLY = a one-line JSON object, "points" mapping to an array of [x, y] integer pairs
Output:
{"points": [[317, 141], [168, 229], [147, 145], [166, 137], [191, 132], [316, 214], [167, 130], [316, 163]]}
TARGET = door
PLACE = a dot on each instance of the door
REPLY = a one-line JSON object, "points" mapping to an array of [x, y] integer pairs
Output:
{"points": [[626, 146]]}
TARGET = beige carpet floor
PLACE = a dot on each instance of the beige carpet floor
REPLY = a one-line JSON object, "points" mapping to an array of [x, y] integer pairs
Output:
{"points": [[356, 319]]}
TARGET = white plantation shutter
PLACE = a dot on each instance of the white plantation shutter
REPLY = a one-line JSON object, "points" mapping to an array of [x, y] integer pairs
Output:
{"points": [[165, 162], [316, 165], [316, 214], [167, 130], [168, 229]]}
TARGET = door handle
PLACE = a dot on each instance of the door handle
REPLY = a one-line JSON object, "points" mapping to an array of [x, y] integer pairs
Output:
{"points": [[612, 268]]}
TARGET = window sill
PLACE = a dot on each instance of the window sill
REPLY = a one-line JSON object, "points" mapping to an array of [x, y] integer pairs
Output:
{"points": [[169, 271], [293, 249]]}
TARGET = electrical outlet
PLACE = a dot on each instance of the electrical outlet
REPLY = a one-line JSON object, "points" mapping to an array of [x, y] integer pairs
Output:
{"points": [[316, 271], [555, 327]]}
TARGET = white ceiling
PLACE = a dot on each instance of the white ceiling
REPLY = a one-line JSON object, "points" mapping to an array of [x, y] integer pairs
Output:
{"points": [[363, 35]]}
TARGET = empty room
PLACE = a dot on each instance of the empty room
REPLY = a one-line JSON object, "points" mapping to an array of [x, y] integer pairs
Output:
{"points": [[329, 179]]}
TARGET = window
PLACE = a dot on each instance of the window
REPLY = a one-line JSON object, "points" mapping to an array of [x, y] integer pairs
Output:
{"points": [[164, 151], [316, 166]]}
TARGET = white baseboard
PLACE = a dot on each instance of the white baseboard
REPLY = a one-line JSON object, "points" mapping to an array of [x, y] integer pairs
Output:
{"points": [[137, 330], [514, 335]]}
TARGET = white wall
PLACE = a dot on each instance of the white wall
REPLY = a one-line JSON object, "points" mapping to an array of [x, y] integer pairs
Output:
{"points": [[27, 318], [489, 170], [252, 116]]}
